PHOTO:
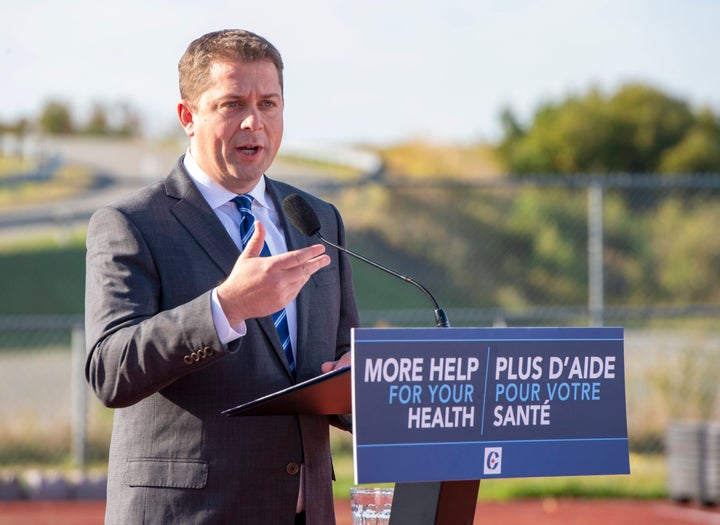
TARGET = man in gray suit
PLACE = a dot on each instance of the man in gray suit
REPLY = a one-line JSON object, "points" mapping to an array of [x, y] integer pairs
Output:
{"points": [[179, 314]]}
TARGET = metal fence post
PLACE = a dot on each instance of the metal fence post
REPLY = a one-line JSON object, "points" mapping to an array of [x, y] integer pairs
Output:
{"points": [[79, 396], [595, 254]]}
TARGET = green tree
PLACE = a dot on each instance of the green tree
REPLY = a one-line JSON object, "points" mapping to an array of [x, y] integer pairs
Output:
{"points": [[98, 121], [649, 122], [119, 119], [130, 123], [56, 118], [698, 151], [638, 129]]}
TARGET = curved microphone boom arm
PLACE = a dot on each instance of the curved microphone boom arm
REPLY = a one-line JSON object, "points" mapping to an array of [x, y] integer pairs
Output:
{"points": [[304, 218]]}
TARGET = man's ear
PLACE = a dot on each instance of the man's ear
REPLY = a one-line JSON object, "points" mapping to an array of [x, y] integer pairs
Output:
{"points": [[185, 116]]}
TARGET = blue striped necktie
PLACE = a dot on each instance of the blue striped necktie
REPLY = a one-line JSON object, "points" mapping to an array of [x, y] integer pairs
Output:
{"points": [[247, 227]]}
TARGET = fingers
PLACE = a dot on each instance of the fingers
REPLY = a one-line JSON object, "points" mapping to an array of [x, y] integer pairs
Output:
{"points": [[311, 259], [329, 366], [302, 269]]}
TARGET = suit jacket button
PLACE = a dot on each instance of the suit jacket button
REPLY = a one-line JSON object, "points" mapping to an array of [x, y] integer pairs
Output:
{"points": [[209, 351], [292, 468], [188, 360]]}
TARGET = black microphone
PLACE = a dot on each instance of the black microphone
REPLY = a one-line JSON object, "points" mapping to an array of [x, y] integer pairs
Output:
{"points": [[304, 218]]}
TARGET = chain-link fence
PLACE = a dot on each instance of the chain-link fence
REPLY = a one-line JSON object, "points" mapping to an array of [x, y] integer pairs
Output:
{"points": [[637, 251], [634, 251]]}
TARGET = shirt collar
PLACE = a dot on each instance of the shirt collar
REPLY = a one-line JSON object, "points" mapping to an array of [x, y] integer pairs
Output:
{"points": [[216, 195]]}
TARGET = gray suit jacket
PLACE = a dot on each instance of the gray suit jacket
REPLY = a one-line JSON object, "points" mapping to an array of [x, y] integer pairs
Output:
{"points": [[153, 354]]}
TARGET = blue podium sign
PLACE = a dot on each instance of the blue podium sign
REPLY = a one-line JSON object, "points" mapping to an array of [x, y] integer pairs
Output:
{"points": [[436, 404]]}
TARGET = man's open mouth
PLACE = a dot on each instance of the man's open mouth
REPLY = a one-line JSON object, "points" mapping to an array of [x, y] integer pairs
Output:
{"points": [[249, 150]]}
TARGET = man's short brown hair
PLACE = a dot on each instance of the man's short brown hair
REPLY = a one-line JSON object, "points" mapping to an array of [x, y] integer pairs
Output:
{"points": [[234, 45]]}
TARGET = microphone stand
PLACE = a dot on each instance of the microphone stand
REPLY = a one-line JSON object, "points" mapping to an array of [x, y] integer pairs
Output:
{"points": [[441, 319]]}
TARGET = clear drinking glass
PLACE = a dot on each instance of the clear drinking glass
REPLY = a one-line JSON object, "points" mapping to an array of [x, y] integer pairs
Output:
{"points": [[371, 506]]}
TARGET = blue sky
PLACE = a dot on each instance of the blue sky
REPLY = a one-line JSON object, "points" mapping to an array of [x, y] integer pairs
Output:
{"points": [[374, 71]]}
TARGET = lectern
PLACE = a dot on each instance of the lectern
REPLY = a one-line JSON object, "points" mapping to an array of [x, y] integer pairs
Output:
{"points": [[435, 411]]}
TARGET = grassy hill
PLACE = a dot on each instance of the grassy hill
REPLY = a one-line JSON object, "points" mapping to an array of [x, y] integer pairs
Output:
{"points": [[43, 280]]}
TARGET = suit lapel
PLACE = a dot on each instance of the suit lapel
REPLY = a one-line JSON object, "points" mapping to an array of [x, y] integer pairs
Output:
{"points": [[293, 237], [194, 213]]}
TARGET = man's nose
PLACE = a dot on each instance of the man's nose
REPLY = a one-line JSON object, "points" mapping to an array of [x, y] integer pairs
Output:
{"points": [[252, 122]]}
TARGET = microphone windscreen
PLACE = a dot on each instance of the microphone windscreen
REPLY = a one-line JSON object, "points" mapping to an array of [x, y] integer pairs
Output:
{"points": [[302, 216]]}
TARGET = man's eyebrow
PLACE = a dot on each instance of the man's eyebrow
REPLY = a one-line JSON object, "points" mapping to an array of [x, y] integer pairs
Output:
{"points": [[233, 95]]}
